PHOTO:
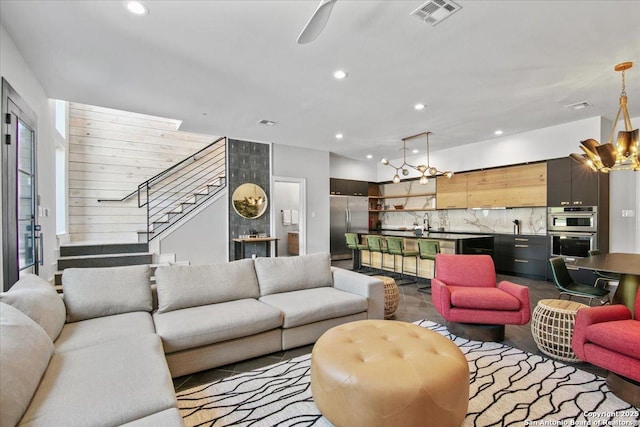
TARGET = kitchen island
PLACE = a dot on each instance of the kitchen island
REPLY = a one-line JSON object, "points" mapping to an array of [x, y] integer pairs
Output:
{"points": [[452, 243]]}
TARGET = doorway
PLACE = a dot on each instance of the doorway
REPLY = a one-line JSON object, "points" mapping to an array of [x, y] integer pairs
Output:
{"points": [[289, 215], [20, 231]]}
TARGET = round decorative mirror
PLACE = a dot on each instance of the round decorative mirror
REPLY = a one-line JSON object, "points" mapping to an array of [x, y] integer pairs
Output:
{"points": [[249, 201]]}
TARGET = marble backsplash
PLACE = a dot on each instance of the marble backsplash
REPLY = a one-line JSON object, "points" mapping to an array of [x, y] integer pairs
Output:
{"points": [[533, 221]]}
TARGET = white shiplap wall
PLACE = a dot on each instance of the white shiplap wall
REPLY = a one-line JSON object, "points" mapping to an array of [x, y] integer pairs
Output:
{"points": [[110, 153]]}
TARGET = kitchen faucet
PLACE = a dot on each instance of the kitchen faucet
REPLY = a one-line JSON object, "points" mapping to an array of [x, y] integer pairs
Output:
{"points": [[425, 221]]}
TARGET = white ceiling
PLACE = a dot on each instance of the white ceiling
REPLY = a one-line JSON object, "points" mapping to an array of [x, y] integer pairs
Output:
{"points": [[510, 65]]}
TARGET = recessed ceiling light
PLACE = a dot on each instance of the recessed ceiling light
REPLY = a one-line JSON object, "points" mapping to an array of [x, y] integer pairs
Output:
{"points": [[369, 156], [267, 122], [340, 74], [137, 8], [339, 136], [415, 151], [498, 132], [419, 107]]}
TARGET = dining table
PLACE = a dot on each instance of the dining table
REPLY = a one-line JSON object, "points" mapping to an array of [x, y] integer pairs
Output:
{"points": [[625, 264]]}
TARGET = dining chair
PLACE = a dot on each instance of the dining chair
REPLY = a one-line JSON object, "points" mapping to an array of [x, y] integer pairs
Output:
{"points": [[567, 286], [605, 276], [428, 249]]}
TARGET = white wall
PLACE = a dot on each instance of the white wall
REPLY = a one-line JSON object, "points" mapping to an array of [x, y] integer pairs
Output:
{"points": [[346, 168], [202, 238], [16, 71], [314, 166]]}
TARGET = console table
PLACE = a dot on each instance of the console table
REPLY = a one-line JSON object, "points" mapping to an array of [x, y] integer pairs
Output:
{"points": [[240, 246]]}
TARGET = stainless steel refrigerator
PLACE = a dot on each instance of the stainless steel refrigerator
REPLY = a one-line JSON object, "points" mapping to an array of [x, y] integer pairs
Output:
{"points": [[349, 214]]}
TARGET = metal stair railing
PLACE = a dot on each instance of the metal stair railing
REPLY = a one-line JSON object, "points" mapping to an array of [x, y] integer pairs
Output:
{"points": [[170, 195], [174, 192]]}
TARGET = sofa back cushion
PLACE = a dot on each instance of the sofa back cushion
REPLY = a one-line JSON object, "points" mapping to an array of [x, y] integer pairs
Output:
{"points": [[24, 357], [98, 292], [39, 300], [184, 286], [285, 274]]}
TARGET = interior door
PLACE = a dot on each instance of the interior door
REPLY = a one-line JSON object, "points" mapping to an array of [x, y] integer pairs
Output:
{"points": [[20, 231]]}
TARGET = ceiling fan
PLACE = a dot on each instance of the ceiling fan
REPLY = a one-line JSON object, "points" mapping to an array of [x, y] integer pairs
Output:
{"points": [[317, 22]]}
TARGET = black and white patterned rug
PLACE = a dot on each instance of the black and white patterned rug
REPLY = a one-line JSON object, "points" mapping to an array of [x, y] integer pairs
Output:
{"points": [[509, 387]]}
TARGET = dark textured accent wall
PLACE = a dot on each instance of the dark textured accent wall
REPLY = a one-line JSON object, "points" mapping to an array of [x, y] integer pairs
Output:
{"points": [[249, 162]]}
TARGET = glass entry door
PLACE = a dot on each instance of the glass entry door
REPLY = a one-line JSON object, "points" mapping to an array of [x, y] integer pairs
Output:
{"points": [[26, 196], [21, 237]]}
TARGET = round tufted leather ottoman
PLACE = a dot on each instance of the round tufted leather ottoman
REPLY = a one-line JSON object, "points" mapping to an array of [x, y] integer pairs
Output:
{"points": [[389, 373]]}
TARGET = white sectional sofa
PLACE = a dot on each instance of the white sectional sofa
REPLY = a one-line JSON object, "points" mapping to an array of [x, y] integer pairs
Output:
{"points": [[105, 354]]}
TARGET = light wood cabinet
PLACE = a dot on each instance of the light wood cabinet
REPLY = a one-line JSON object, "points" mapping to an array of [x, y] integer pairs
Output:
{"points": [[451, 193], [487, 189], [527, 185]]}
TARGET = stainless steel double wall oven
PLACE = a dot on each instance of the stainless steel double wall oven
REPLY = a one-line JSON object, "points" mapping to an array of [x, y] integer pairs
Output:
{"points": [[573, 231]]}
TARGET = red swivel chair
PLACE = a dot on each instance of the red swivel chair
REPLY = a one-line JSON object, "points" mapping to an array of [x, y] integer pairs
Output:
{"points": [[609, 336], [464, 292]]}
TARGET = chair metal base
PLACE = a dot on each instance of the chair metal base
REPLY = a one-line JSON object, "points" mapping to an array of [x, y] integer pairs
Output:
{"points": [[625, 388], [477, 332]]}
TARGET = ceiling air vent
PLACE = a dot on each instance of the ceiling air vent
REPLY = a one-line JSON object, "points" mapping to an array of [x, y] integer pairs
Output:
{"points": [[435, 11], [578, 105]]}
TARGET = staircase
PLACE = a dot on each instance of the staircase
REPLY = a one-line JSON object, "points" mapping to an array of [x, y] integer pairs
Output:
{"points": [[101, 255], [172, 194], [175, 192], [169, 197], [108, 255]]}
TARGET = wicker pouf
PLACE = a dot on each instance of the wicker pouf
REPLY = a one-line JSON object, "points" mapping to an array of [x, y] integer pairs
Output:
{"points": [[388, 373], [552, 325], [391, 296]]}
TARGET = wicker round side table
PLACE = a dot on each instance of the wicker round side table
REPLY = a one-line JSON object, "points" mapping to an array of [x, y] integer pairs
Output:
{"points": [[552, 325], [391, 296]]}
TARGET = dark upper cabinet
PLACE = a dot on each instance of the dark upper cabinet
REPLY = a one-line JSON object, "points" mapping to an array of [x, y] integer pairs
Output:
{"points": [[571, 184], [348, 187]]}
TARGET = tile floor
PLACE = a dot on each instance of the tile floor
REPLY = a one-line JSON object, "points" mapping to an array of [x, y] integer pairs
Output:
{"points": [[413, 306]]}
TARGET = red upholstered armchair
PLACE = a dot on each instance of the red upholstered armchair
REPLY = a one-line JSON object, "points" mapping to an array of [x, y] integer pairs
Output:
{"points": [[609, 337], [464, 292]]}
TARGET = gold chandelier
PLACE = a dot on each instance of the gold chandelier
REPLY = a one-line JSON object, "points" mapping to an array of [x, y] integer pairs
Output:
{"points": [[606, 157], [426, 171]]}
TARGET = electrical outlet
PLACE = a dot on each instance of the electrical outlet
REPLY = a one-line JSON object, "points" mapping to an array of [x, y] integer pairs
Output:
{"points": [[628, 213]]}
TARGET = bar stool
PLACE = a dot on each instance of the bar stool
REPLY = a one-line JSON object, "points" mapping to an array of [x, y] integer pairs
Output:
{"points": [[374, 244], [395, 246], [356, 247], [428, 249]]}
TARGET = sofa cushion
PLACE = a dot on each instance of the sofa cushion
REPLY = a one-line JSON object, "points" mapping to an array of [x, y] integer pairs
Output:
{"points": [[36, 298], [166, 418], [25, 350], [284, 274], [483, 298], [195, 285], [621, 336], [99, 330], [109, 384], [97, 292], [313, 305], [209, 324]]}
